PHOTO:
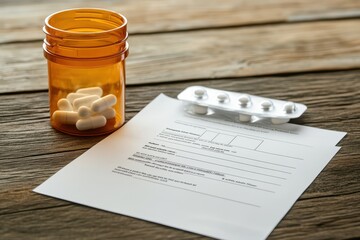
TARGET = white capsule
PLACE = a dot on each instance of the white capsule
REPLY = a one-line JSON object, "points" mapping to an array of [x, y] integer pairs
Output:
{"points": [[289, 107], [84, 112], [91, 122], [85, 101], [64, 104], [279, 120], [91, 91], [108, 113], [103, 103], [65, 117], [266, 105], [222, 97], [199, 109], [72, 96], [244, 118], [244, 100], [200, 93]]}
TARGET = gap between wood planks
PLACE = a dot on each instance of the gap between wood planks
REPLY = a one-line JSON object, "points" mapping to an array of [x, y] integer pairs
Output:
{"points": [[38, 209], [235, 26], [303, 197]]}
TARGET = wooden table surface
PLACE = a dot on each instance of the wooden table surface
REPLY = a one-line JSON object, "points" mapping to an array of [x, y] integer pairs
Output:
{"points": [[300, 50]]}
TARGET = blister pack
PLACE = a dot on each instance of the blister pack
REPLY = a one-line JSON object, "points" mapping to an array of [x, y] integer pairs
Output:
{"points": [[203, 100]]}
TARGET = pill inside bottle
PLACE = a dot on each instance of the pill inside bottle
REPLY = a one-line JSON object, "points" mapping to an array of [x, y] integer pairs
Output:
{"points": [[103, 103]]}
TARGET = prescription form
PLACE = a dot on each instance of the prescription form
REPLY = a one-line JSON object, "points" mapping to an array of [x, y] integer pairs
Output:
{"points": [[213, 177]]}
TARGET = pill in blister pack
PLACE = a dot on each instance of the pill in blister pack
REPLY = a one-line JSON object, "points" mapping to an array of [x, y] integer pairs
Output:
{"points": [[202, 100]]}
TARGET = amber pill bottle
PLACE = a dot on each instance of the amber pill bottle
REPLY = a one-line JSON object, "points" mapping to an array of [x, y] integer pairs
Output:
{"points": [[86, 49]]}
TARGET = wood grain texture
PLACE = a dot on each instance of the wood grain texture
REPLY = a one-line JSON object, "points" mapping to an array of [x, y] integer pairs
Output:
{"points": [[30, 152], [22, 20], [262, 47], [220, 53]]}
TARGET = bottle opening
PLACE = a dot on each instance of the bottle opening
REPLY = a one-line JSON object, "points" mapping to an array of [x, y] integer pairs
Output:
{"points": [[85, 21]]}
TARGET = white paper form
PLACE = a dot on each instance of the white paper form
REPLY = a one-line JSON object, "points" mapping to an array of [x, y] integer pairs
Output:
{"points": [[212, 177]]}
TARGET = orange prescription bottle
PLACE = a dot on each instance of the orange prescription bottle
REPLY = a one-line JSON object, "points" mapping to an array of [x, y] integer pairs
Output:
{"points": [[85, 51]]}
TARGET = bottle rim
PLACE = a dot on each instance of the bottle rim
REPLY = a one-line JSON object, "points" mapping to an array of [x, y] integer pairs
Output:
{"points": [[103, 42], [49, 29]]}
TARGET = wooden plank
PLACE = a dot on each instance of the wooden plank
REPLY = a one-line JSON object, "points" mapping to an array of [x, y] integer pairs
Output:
{"points": [[332, 98], [30, 152], [220, 53], [78, 222], [336, 217], [22, 20], [308, 219], [20, 176]]}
